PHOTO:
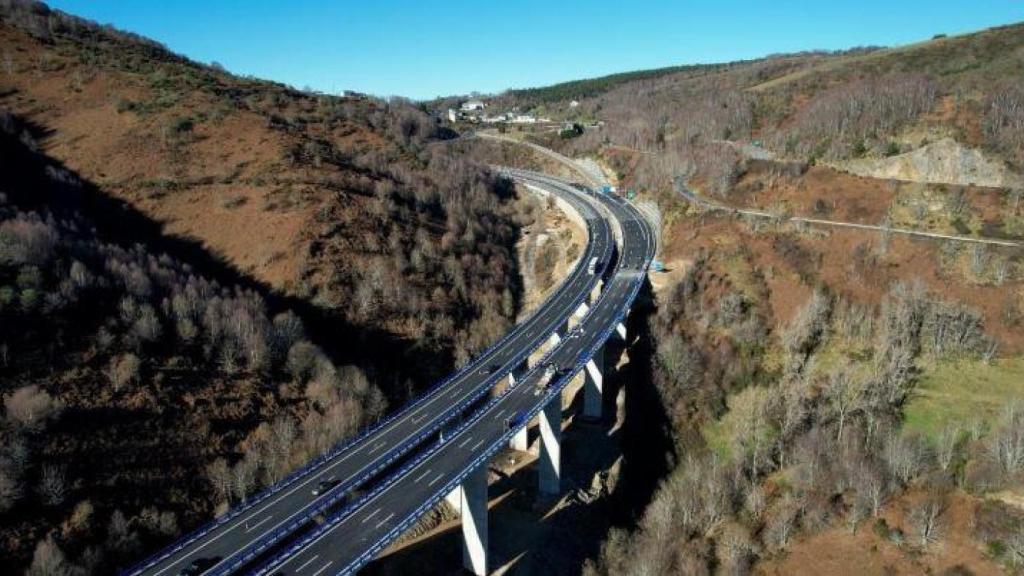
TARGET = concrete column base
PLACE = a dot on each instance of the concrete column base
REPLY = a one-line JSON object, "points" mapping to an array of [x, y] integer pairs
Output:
{"points": [[518, 372], [474, 522], [521, 440], [549, 466], [593, 386]]}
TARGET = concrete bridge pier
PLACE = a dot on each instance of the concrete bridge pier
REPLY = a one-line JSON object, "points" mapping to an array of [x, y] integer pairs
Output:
{"points": [[559, 334], [470, 501], [620, 327], [518, 372], [593, 385], [549, 465]]}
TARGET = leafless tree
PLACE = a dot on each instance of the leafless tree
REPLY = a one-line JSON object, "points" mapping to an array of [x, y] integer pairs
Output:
{"points": [[904, 456], [735, 548], [947, 447], [872, 485], [11, 487], [1006, 445], [243, 476], [979, 259], [782, 522], [845, 394], [1001, 270], [1015, 545], [752, 434], [219, 475], [808, 329], [31, 406], [925, 519], [53, 485], [123, 370], [48, 560]]}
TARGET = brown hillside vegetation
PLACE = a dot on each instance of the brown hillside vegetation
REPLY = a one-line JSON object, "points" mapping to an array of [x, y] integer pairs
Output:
{"points": [[330, 199], [841, 401], [190, 262]]}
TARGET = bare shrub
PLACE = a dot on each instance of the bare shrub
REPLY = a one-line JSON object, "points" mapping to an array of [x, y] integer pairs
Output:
{"points": [[1004, 121], [30, 406], [123, 369], [48, 560]]}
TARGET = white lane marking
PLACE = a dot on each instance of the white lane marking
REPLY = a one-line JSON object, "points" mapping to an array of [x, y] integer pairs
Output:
{"points": [[249, 528], [456, 393], [464, 442], [432, 482], [381, 523], [428, 402], [307, 563], [475, 446], [372, 514], [422, 476], [317, 573], [377, 447]]}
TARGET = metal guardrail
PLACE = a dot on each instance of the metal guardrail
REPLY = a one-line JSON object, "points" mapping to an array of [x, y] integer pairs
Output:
{"points": [[387, 483], [344, 445], [271, 538], [480, 460], [410, 518]]}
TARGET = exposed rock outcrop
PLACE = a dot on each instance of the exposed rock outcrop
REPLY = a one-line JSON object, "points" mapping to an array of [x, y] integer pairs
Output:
{"points": [[943, 162]]}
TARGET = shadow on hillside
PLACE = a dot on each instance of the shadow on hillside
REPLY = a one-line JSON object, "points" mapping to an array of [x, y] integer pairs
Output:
{"points": [[646, 430], [23, 178]]}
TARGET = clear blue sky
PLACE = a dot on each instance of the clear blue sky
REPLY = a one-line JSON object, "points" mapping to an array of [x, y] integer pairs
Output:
{"points": [[427, 48]]}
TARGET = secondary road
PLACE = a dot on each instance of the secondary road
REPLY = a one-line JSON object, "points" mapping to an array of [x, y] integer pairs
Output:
{"points": [[289, 506], [354, 536]]}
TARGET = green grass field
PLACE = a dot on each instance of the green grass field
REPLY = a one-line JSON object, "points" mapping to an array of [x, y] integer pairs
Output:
{"points": [[961, 392]]}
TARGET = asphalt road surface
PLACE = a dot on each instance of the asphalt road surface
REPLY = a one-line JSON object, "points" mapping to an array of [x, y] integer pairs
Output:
{"points": [[290, 506], [350, 539]]}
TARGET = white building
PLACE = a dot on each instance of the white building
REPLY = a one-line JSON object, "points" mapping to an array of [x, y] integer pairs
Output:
{"points": [[453, 116], [472, 105], [574, 104]]}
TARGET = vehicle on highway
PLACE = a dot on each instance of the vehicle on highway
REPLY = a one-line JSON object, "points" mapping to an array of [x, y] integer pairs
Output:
{"points": [[488, 370], [324, 485], [198, 566], [516, 420], [594, 266], [551, 373]]}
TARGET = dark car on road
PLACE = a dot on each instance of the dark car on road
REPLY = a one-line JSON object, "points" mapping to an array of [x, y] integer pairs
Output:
{"points": [[198, 566], [324, 485]]}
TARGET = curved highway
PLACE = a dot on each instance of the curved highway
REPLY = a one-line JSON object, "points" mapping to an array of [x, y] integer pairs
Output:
{"points": [[290, 506], [355, 535]]}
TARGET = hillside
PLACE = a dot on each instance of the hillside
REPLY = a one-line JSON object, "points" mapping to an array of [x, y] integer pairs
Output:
{"points": [[205, 280], [840, 401], [334, 200]]}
